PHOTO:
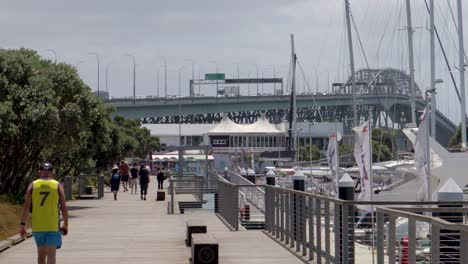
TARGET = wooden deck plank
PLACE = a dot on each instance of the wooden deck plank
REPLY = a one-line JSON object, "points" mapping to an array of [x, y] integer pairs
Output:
{"points": [[134, 231]]}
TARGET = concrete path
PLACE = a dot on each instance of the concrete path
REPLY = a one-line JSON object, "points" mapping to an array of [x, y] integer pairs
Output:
{"points": [[134, 231]]}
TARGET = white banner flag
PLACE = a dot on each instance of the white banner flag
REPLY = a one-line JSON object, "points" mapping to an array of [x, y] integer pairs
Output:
{"points": [[420, 157], [332, 159], [363, 159]]}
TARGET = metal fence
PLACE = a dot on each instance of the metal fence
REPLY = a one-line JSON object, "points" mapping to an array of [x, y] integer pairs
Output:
{"points": [[194, 184], [445, 242], [235, 208], [250, 193], [329, 230], [84, 187]]}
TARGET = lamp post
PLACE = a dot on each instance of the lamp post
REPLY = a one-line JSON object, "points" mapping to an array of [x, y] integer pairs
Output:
{"points": [[157, 83], [165, 76], [256, 66], [217, 85], [53, 52], [180, 110], [134, 76], [191, 92], [434, 109], [98, 63], [310, 147], [429, 92], [107, 76]]}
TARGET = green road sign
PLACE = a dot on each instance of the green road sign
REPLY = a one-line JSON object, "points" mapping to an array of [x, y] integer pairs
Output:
{"points": [[215, 76]]}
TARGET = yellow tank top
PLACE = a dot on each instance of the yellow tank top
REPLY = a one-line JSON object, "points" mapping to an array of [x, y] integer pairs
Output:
{"points": [[45, 206]]}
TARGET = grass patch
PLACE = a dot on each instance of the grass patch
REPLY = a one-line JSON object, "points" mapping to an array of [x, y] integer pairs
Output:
{"points": [[9, 220]]}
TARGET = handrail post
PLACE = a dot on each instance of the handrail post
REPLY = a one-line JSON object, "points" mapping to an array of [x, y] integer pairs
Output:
{"points": [[171, 187], [380, 238]]}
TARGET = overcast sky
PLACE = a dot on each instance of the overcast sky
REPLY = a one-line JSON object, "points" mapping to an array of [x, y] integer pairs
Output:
{"points": [[248, 33]]}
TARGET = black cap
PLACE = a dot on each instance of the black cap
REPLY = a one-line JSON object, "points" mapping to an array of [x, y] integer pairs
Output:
{"points": [[46, 167]]}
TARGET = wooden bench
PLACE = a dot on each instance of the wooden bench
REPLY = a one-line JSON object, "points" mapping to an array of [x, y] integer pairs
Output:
{"points": [[16, 239], [204, 249], [5, 244], [194, 226]]}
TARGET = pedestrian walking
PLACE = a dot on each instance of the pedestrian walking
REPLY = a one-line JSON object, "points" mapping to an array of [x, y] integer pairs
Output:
{"points": [[115, 181], [144, 181], [125, 174], [42, 198], [134, 178], [160, 178]]}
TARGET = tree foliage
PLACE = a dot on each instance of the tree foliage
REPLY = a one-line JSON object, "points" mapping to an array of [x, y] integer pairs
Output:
{"points": [[383, 141], [455, 140], [309, 153], [48, 113]]}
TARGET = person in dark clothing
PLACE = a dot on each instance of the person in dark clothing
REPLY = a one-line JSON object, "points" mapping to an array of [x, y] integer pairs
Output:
{"points": [[115, 181], [160, 178], [134, 178], [144, 181]]}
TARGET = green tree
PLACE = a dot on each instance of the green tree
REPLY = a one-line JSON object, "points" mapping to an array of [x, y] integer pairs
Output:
{"points": [[308, 152], [48, 113], [455, 140]]}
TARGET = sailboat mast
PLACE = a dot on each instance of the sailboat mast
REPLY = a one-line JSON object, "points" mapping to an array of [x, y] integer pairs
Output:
{"points": [[292, 111], [461, 66], [351, 60], [409, 27], [432, 50]]}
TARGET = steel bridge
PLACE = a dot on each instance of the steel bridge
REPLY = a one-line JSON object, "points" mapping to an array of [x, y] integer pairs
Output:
{"points": [[383, 92]]}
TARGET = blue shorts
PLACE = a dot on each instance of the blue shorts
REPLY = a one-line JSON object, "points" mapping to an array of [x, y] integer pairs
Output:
{"points": [[48, 239]]}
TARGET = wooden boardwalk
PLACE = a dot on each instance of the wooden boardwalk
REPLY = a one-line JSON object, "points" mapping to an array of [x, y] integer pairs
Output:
{"points": [[134, 231]]}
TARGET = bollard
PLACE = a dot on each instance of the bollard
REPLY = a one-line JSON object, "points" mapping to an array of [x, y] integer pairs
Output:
{"points": [[271, 178], [216, 202], [449, 242], [404, 243], [346, 192], [100, 186], [251, 175], [246, 212], [67, 187], [299, 185], [243, 173]]}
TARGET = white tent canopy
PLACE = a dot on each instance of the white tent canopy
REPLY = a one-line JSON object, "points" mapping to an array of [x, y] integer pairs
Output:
{"points": [[262, 126]]}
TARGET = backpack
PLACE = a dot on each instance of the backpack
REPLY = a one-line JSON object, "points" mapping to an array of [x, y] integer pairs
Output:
{"points": [[115, 176]]}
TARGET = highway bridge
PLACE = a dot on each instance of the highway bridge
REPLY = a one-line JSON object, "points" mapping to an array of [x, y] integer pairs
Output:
{"points": [[384, 92]]}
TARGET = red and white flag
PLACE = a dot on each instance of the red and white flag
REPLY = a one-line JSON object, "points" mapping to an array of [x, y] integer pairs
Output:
{"points": [[363, 159], [420, 157]]}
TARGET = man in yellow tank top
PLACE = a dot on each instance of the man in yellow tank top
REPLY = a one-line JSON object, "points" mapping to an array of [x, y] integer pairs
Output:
{"points": [[44, 199]]}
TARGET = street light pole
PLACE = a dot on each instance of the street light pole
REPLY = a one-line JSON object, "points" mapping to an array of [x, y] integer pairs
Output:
{"points": [[431, 91], [165, 77], [98, 66], [134, 76], [217, 87], [192, 86], [107, 76], [434, 110], [157, 84], [180, 110], [55, 54]]}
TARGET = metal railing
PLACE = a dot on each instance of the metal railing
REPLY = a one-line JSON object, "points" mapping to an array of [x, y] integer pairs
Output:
{"points": [[228, 201], [234, 207], [195, 185], [445, 242], [251, 193], [328, 230], [84, 187]]}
